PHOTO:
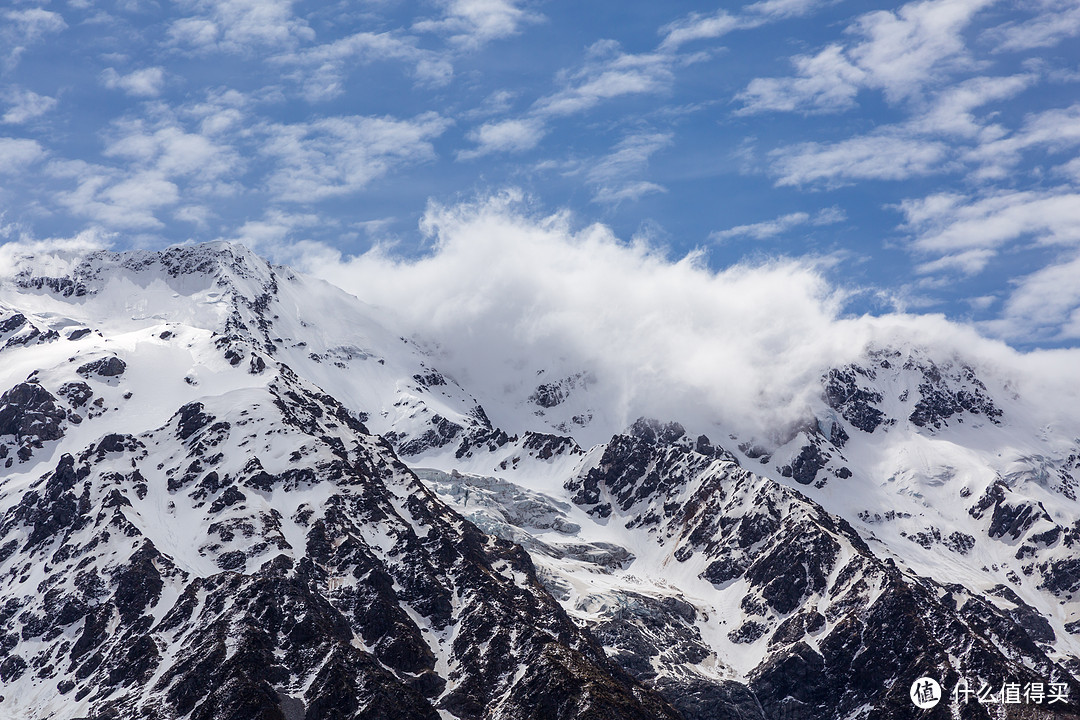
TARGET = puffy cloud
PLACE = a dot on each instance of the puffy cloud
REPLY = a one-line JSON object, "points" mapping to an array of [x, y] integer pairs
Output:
{"points": [[897, 52], [117, 200], [743, 347], [699, 26], [827, 82], [17, 153], [147, 82], [52, 255], [24, 105], [239, 25], [472, 23], [514, 135], [173, 152], [341, 155], [1056, 129]]}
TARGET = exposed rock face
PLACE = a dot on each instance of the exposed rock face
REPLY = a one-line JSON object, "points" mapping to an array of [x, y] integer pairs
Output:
{"points": [[238, 541], [189, 585], [857, 404], [29, 417], [838, 628], [105, 367]]}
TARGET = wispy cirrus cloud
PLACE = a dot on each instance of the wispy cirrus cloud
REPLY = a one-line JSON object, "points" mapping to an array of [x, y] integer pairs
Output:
{"points": [[780, 225], [951, 110], [337, 156], [1054, 130], [22, 28], [323, 69], [708, 26], [884, 156], [616, 176], [1044, 305], [1057, 20], [946, 223], [608, 73]]}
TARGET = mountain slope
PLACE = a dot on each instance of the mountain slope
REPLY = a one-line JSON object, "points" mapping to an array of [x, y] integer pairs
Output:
{"points": [[920, 519], [193, 536]]}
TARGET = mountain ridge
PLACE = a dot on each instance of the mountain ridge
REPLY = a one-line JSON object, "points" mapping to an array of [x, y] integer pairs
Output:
{"points": [[655, 541]]}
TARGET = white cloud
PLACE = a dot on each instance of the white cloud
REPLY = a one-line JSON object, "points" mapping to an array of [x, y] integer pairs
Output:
{"points": [[967, 262], [897, 52], [951, 223], [905, 49], [951, 110], [869, 157], [515, 135], [699, 27], [160, 165], [763, 230], [341, 155], [21, 28], [1059, 19], [1044, 305], [780, 225], [472, 23], [17, 153], [147, 82], [274, 232], [1071, 169], [325, 67], [1055, 130], [827, 82], [609, 73], [169, 150], [616, 176], [781, 9], [24, 105], [240, 25], [33, 23], [116, 200], [52, 255], [744, 347]]}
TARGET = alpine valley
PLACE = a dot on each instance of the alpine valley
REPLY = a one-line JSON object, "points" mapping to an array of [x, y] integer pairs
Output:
{"points": [[231, 491]]}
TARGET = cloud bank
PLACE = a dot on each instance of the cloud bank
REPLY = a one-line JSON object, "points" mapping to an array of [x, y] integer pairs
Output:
{"points": [[503, 293]]}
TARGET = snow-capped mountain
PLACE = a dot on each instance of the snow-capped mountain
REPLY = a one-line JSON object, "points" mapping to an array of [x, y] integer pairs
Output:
{"points": [[229, 490]]}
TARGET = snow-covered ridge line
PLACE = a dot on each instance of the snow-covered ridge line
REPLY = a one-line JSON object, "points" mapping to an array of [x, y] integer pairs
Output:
{"points": [[706, 558]]}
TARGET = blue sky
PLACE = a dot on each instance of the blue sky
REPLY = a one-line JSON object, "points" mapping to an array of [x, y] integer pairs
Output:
{"points": [[923, 156]]}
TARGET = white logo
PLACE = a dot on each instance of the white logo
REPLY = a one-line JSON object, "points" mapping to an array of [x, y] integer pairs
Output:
{"points": [[925, 693]]}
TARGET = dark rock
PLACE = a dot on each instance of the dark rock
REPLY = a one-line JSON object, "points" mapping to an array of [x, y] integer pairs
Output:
{"points": [[105, 367]]}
